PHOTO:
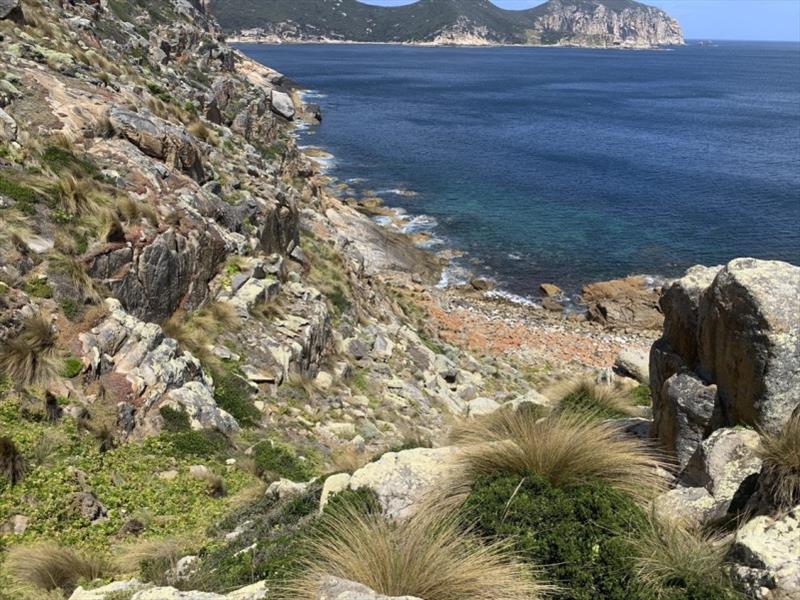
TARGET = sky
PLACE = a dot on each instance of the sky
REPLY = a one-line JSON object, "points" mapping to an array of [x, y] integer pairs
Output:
{"points": [[708, 19]]}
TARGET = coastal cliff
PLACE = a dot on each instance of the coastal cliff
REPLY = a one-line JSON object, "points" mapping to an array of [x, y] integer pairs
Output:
{"points": [[587, 23], [211, 359]]}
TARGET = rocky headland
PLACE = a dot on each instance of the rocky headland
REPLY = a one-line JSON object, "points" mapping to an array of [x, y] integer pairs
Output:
{"points": [[584, 23], [219, 377]]}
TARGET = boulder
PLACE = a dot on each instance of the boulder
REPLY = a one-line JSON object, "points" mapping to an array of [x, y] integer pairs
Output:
{"points": [[481, 406], [727, 465], [333, 588], [88, 506], [333, 485], [629, 302], [766, 553], [135, 590], [10, 9], [550, 289], [634, 363], [692, 506], [402, 479], [8, 126], [159, 139], [749, 341], [281, 104], [682, 414]]}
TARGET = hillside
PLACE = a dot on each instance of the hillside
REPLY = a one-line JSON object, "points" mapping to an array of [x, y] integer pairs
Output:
{"points": [[569, 22], [221, 379]]}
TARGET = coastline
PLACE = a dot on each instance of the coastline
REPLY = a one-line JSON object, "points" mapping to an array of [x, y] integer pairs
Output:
{"points": [[550, 332], [275, 41]]}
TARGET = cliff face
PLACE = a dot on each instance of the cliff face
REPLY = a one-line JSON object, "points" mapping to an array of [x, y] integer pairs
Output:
{"points": [[596, 23]]}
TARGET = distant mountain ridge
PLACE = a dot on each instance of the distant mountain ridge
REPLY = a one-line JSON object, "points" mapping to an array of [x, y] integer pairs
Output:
{"points": [[593, 23]]}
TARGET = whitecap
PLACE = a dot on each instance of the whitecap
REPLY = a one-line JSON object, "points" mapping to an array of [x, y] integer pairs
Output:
{"points": [[513, 298], [514, 256]]}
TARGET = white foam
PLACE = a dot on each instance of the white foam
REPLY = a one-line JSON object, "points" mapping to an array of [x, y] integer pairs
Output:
{"points": [[419, 223], [396, 192], [514, 256], [513, 298]]}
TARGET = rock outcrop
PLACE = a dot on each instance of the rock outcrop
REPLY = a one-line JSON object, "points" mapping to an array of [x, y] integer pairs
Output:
{"points": [[729, 354], [623, 303], [333, 588]]}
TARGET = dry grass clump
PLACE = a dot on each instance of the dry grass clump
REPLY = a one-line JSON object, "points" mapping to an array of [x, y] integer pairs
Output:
{"points": [[473, 430], [668, 554], [48, 566], [77, 195], [586, 396], [154, 558], [780, 454], [349, 459], [565, 448], [133, 211], [428, 555], [202, 132], [29, 358], [75, 273], [196, 332], [12, 464]]}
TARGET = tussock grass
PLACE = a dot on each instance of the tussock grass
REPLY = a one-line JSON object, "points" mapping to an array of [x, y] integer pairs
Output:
{"points": [[75, 273], [586, 397], [565, 448], [48, 566], [77, 195], [349, 459], [151, 558], [473, 430], [428, 555], [780, 454], [196, 331], [133, 211], [29, 358], [12, 464], [670, 555]]}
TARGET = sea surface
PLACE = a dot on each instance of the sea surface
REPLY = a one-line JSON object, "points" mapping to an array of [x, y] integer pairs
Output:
{"points": [[567, 165]]}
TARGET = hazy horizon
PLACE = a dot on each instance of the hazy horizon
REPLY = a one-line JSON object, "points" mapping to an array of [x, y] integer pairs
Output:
{"points": [[729, 20]]}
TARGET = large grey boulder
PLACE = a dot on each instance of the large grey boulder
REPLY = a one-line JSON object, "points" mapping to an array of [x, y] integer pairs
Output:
{"points": [[10, 9], [691, 506], [749, 340], [333, 588], [633, 363], [281, 103], [682, 414], [727, 465], [159, 139], [8, 127], [402, 479], [736, 331], [135, 590], [767, 557]]}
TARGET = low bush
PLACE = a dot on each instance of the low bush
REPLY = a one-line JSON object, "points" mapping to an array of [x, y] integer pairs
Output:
{"points": [[38, 288], [780, 454], [12, 463], [600, 401], [233, 394], [174, 420], [72, 367], [202, 444], [274, 460], [577, 532]]}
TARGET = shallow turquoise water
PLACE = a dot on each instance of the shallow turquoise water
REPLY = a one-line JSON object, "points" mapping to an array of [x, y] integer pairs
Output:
{"points": [[569, 165]]}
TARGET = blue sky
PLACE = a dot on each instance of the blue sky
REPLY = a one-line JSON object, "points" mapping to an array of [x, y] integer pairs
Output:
{"points": [[708, 19]]}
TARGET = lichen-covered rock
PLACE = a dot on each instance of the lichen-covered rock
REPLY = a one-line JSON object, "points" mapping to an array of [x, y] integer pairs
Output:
{"points": [[692, 506], [402, 479], [749, 340], [159, 139], [8, 127], [629, 302], [767, 557], [282, 104], [9, 9], [135, 590], [727, 465], [634, 363], [682, 414], [333, 588], [156, 371]]}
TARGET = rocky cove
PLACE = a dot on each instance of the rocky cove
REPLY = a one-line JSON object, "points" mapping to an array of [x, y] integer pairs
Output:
{"points": [[211, 360]]}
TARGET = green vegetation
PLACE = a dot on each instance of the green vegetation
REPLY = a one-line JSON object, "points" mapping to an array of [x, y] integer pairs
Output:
{"points": [[12, 464], [174, 420], [233, 394], [24, 195], [274, 460], [641, 395], [38, 288], [199, 444], [72, 367], [599, 401], [59, 159], [575, 532], [780, 454], [48, 566]]}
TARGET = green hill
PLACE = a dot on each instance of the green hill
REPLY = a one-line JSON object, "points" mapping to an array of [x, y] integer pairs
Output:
{"points": [[572, 22]]}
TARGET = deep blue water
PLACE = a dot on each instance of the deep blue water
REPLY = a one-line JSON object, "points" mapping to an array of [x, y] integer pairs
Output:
{"points": [[570, 165]]}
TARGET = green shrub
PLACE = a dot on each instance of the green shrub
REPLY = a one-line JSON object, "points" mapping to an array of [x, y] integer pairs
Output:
{"points": [[15, 191], [70, 308], [204, 444], [641, 395], [72, 367], [232, 394], [363, 500], [38, 288], [575, 533], [60, 159], [600, 401], [275, 460], [174, 420]]}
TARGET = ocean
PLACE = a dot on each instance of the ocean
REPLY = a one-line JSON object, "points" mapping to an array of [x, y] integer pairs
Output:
{"points": [[567, 165]]}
